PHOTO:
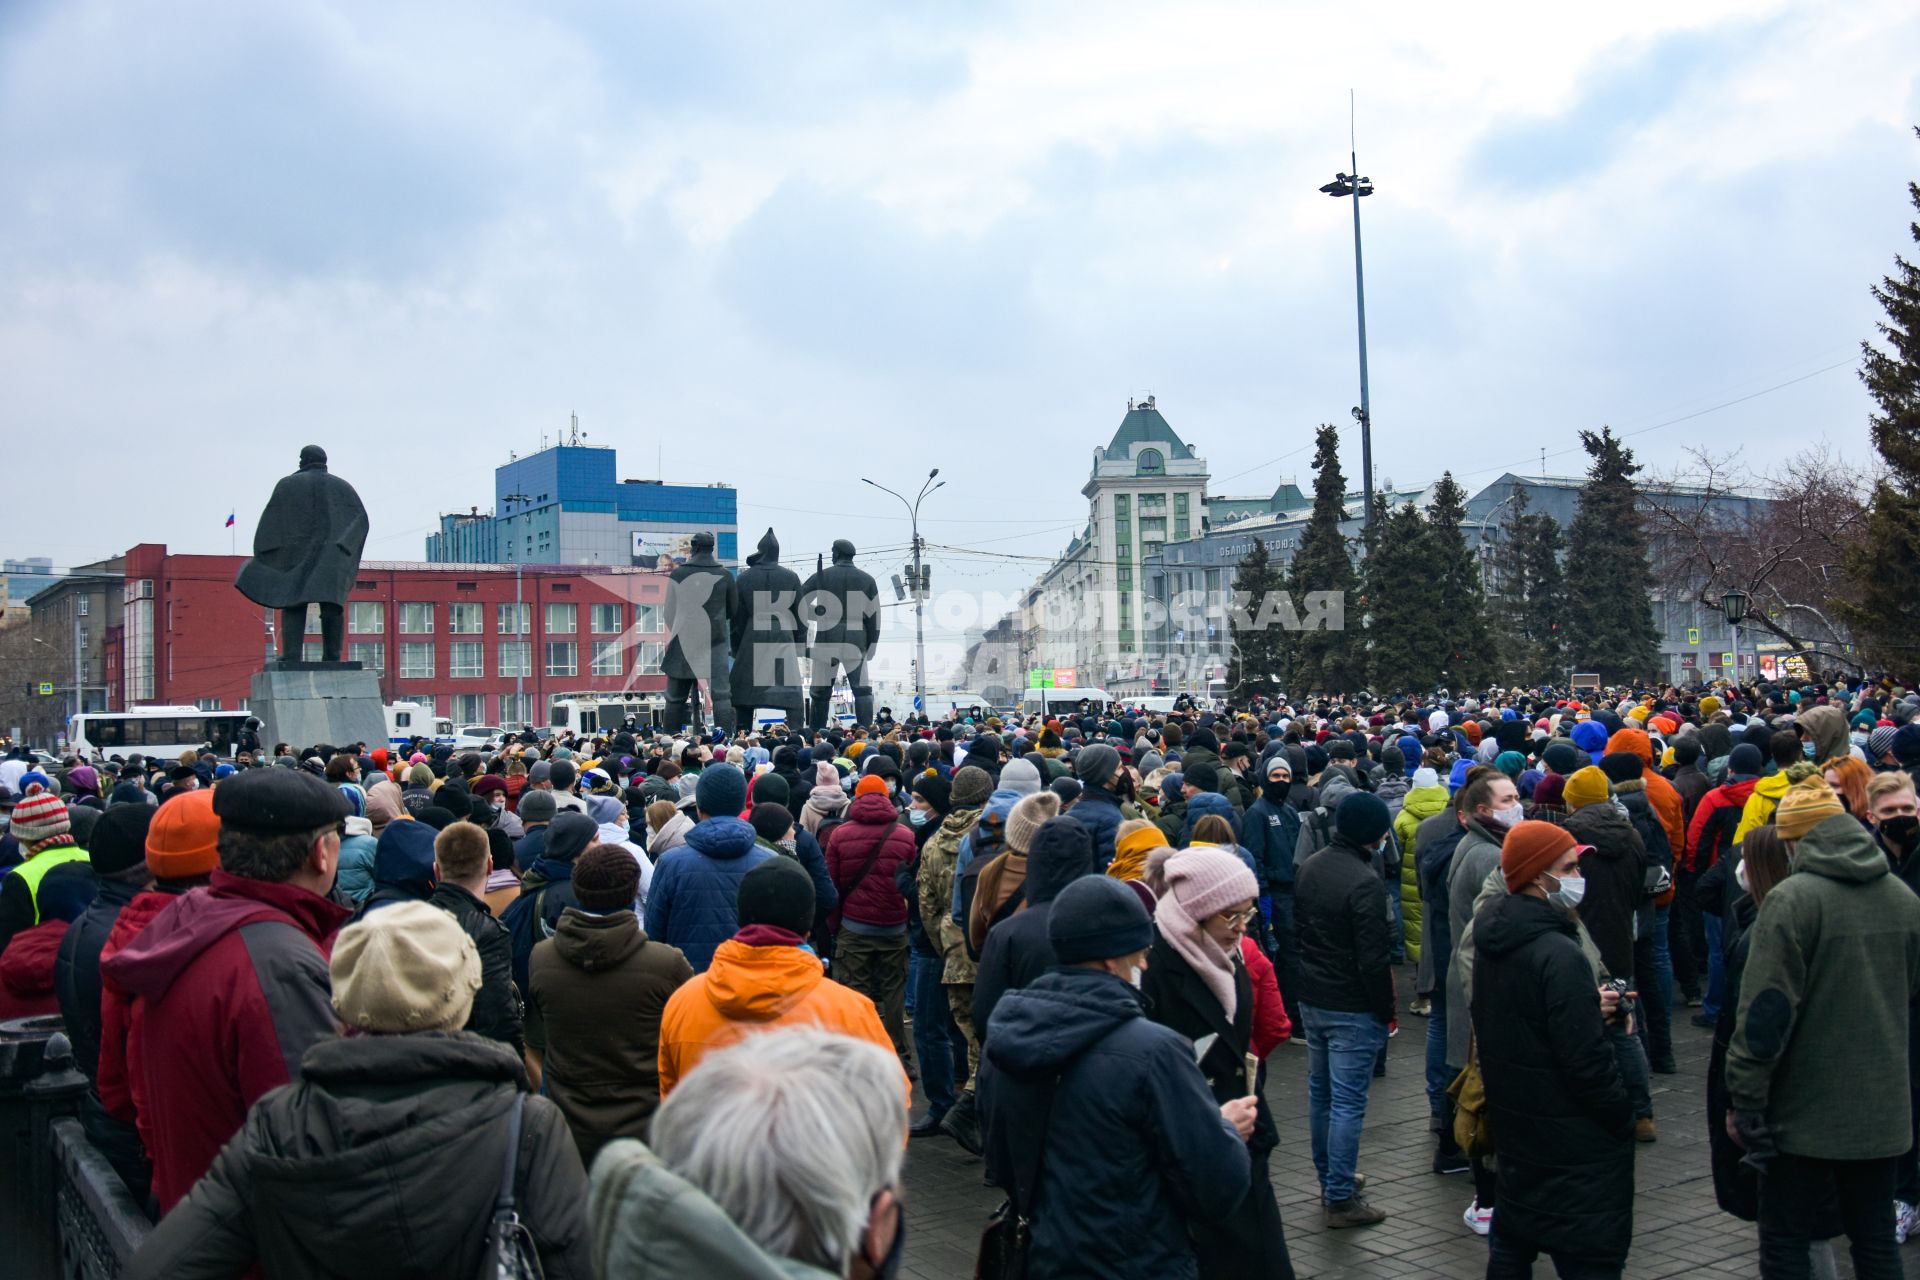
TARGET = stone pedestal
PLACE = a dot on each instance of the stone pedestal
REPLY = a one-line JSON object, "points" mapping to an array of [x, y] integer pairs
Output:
{"points": [[304, 703]]}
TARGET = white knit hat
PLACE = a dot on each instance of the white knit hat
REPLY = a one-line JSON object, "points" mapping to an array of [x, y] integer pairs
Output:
{"points": [[405, 967], [1027, 816]]}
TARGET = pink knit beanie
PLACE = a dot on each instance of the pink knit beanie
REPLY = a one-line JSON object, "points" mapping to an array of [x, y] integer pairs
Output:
{"points": [[1208, 880]]}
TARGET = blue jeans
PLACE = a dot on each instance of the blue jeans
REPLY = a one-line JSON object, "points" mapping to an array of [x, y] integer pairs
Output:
{"points": [[1340, 1053], [1663, 955], [1716, 969], [937, 1043], [1399, 921], [914, 964]]}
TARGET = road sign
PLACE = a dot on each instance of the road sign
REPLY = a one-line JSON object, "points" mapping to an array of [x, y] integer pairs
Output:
{"points": [[1693, 635], [46, 688]]}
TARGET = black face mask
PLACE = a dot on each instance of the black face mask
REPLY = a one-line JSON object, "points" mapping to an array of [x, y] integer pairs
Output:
{"points": [[1277, 788], [888, 1268], [1901, 833]]}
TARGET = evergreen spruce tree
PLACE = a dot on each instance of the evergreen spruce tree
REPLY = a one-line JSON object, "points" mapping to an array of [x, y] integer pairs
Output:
{"points": [[1466, 657], [1540, 612], [1884, 569], [1259, 652], [1326, 661], [1406, 625], [1608, 625], [1509, 587]]}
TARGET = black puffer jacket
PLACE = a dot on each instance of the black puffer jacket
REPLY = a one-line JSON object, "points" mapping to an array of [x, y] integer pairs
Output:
{"points": [[1561, 1121], [76, 971], [1017, 950], [497, 1012], [383, 1161], [1137, 1153], [1346, 939], [1616, 881]]}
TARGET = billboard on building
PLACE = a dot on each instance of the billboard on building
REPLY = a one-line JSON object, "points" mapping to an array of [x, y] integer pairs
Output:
{"points": [[662, 548]]}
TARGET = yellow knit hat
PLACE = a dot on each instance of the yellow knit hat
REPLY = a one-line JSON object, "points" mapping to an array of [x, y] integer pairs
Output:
{"points": [[1805, 805], [1709, 707], [1640, 714], [1586, 786]]}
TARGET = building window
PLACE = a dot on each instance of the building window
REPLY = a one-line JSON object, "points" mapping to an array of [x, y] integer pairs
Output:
{"points": [[1126, 575], [416, 618], [562, 619], [370, 654], [468, 708], [1151, 526], [463, 619], [515, 709], [1151, 463], [85, 603], [516, 658], [562, 658], [416, 661], [648, 655], [309, 651], [366, 617], [607, 658], [313, 620], [1180, 504], [1153, 503], [514, 619], [606, 620], [466, 660], [646, 619]]}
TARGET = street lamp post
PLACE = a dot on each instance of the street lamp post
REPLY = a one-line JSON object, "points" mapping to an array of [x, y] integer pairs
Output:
{"points": [[1354, 186], [1733, 604], [519, 607], [919, 594]]}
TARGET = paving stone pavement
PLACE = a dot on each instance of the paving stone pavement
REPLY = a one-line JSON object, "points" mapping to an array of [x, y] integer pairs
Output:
{"points": [[1678, 1229]]}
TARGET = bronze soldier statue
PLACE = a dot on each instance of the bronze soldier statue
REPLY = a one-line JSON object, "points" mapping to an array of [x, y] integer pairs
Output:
{"points": [[768, 636], [842, 601], [702, 598]]}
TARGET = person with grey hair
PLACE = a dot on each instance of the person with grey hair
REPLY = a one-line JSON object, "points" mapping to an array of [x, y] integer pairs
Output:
{"points": [[779, 1155]]}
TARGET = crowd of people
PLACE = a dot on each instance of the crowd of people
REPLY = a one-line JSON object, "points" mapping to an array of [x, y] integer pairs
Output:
{"points": [[673, 997]]}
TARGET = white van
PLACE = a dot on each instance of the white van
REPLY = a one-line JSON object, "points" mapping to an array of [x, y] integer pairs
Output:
{"points": [[1053, 702], [409, 720], [969, 705]]}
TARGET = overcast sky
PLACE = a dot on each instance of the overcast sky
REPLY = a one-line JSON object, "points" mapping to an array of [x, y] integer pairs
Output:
{"points": [[788, 245]]}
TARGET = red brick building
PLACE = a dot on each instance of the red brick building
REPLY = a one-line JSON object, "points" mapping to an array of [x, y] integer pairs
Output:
{"points": [[482, 643]]}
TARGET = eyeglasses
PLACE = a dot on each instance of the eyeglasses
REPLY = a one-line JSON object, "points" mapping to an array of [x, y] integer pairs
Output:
{"points": [[1234, 918]]}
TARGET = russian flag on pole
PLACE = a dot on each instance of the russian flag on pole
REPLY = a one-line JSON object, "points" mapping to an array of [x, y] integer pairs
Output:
{"points": [[229, 519]]}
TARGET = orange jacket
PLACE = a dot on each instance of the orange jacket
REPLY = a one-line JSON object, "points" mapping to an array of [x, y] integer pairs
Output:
{"points": [[751, 989]]}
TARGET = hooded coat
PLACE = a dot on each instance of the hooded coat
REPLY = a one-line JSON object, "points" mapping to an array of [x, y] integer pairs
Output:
{"points": [[649, 1223], [1833, 964], [314, 1184], [1017, 950], [702, 598], [1562, 1124], [874, 840], [1136, 1156], [1475, 857], [229, 989], [307, 547], [1198, 807], [359, 848], [600, 985], [692, 904], [1615, 872], [748, 989], [402, 866]]}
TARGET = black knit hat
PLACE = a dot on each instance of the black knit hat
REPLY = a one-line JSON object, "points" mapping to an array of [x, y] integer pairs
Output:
{"points": [[771, 820], [936, 791], [778, 892], [1097, 918], [1622, 766], [606, 878], [120, 838]]}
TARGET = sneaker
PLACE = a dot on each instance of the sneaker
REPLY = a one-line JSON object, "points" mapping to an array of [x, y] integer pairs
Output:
{"points": [[1478, 1220], [1420, 1007], [1644, 1130], [1455, 1161], [1353, 1213], [1694, 1000], [1359, 1185], [1704, 1020], [1393, 1028], [1906, 1221], [1664, 1066]]}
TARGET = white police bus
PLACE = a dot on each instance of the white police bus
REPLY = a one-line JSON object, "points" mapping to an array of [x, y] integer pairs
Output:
{"points": [[158, 732]]}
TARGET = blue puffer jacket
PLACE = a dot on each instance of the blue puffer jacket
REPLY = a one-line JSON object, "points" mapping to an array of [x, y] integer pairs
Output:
{"points": [[1136, 1151], [1200, 806], [1098, 810], [354, 871], [692, 904]]}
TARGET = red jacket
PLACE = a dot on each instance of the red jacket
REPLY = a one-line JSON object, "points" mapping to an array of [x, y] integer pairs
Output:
{"points": [[1710, 834], [872, 824], [26, 971], [116, 1005], [229, 988], [1270, 1026]]}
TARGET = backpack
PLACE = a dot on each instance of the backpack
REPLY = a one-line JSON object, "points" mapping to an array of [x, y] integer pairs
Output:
{"points": [[988, 840], [526, 925]]}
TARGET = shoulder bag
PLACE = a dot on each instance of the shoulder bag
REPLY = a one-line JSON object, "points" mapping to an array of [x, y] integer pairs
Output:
{"points": [[510, 1253]]}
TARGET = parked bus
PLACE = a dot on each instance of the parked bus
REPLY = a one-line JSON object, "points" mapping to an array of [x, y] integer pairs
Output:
{"points": [[409, 720], [587, 714], [161, 732], [1054, 702]]}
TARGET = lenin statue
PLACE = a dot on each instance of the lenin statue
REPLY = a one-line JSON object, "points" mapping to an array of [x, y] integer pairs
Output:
{"points": [[843, 603], [307, 551], [768, 635], [701, 601]]}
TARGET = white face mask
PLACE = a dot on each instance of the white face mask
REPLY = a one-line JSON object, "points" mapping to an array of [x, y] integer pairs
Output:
{"points": [[1133, 976], [1740, 874], [1506, 818], [1566, 892]]}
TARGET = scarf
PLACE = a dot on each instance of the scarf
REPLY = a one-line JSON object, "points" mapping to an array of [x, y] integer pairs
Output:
{"points": [[1207, 958], [822, 803]]}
